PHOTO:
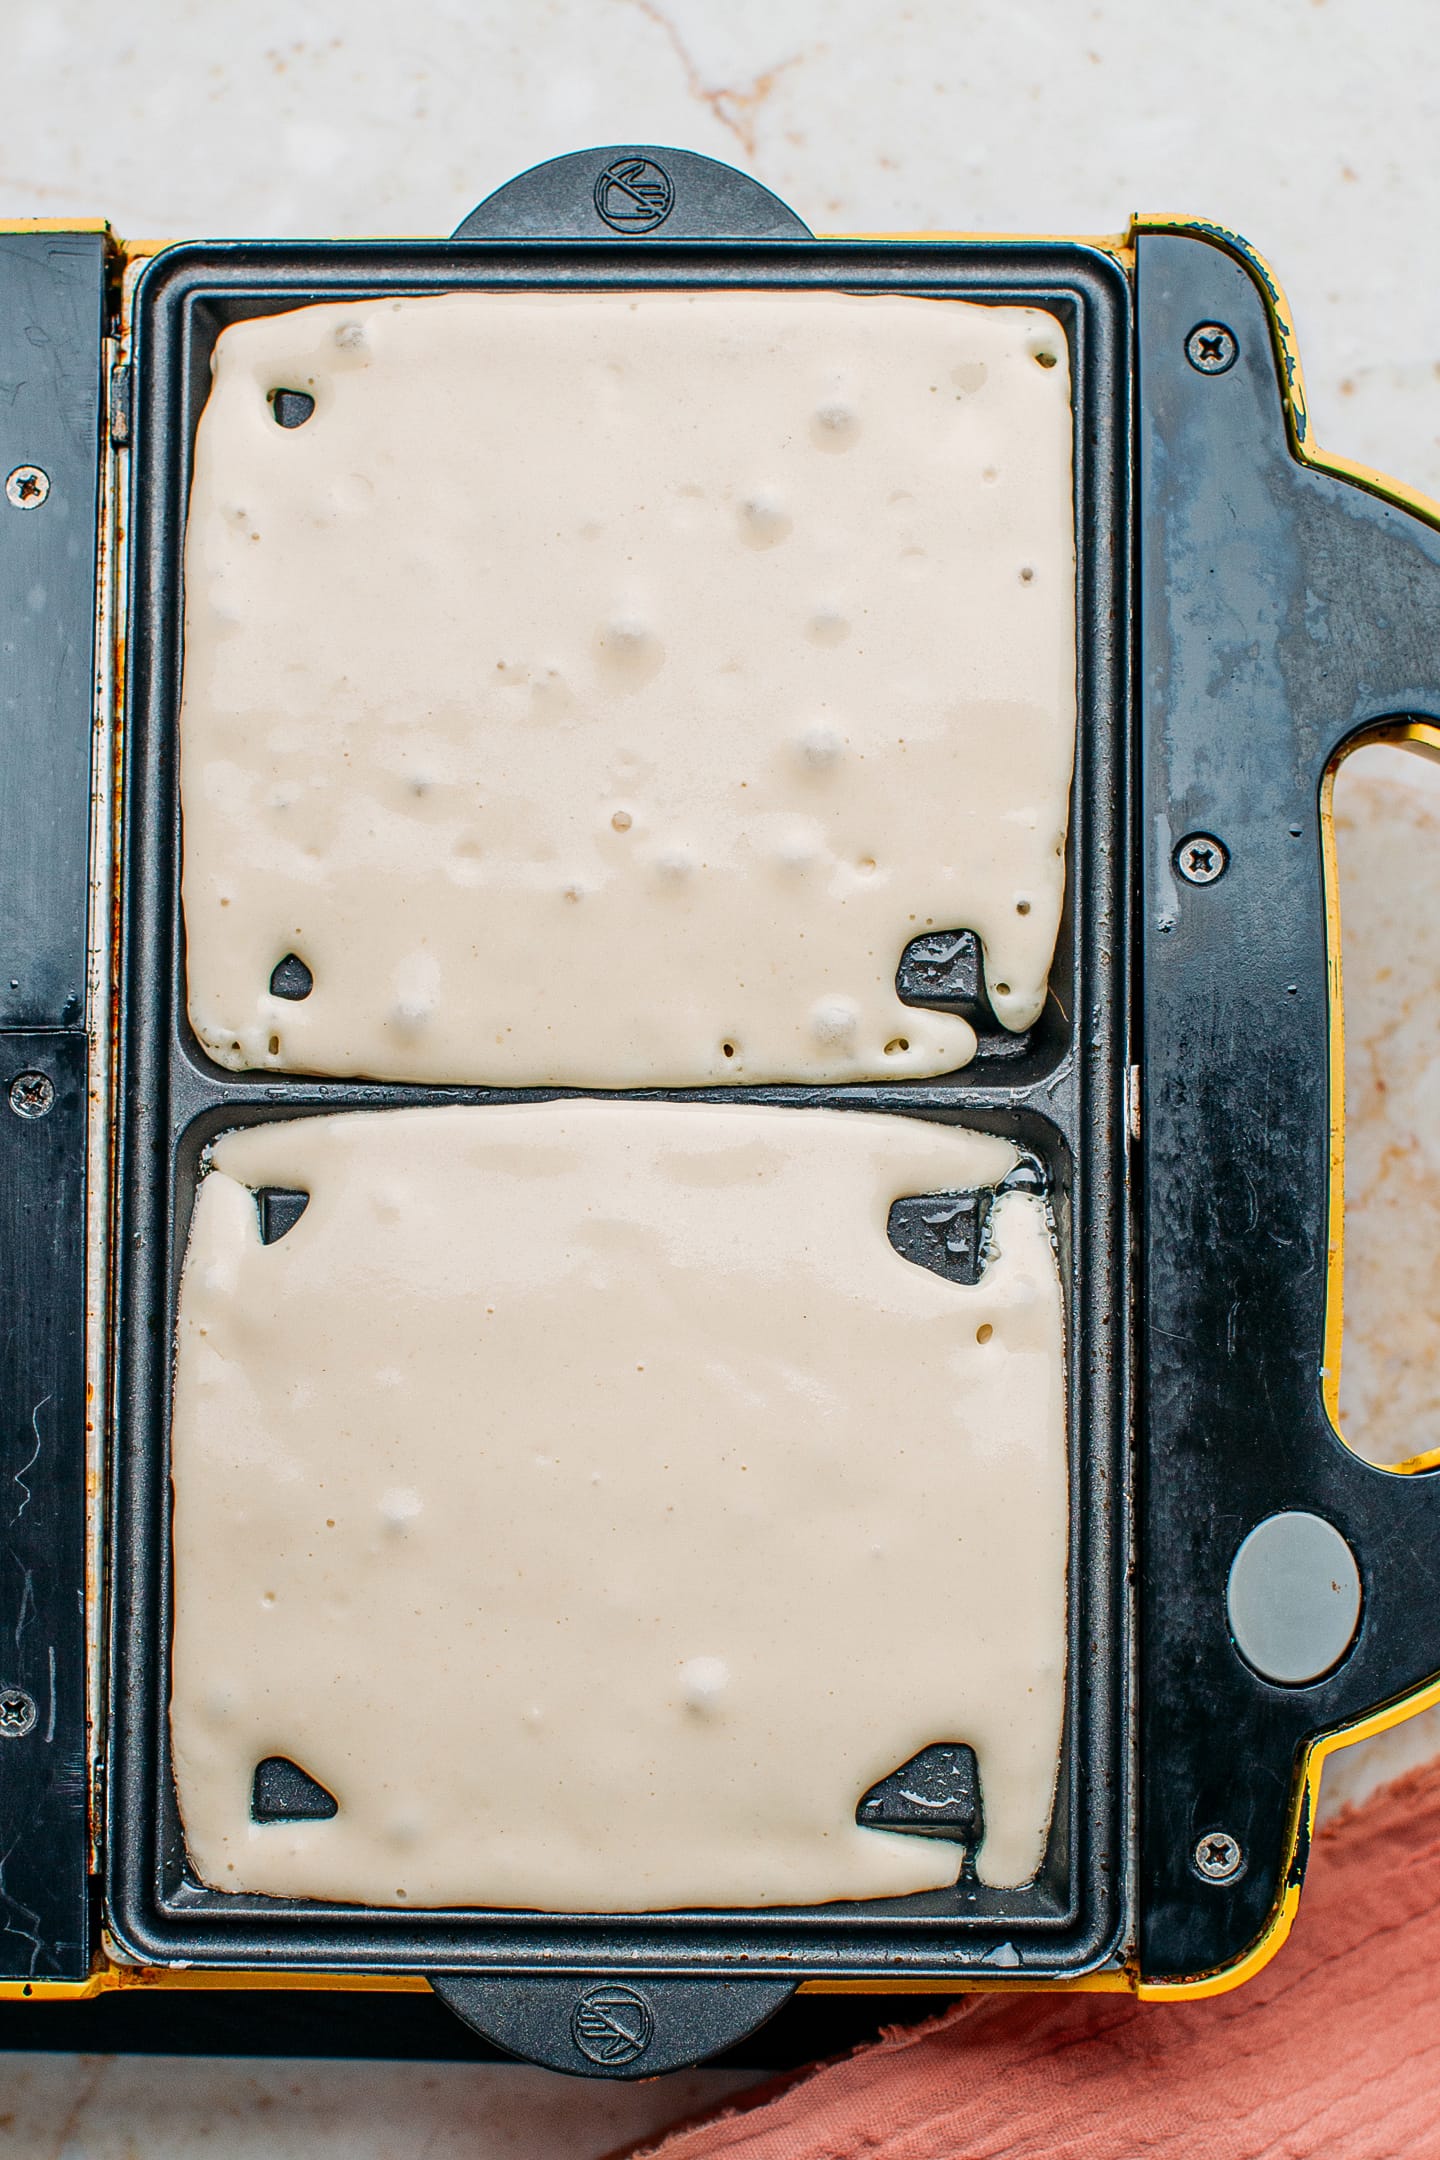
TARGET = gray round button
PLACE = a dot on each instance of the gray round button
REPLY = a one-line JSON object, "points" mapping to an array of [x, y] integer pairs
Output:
{"points": [[1293, 1598]]}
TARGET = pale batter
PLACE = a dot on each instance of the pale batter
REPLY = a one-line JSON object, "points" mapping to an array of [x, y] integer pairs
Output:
{"points": [[592, 1500], [604, 690]]}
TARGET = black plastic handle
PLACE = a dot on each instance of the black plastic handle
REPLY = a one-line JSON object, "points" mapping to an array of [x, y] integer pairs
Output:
{"points": [[620, 2026], [1284, 610], [638, 192]]}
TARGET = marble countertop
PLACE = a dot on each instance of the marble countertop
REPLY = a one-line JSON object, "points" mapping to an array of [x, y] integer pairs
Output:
{"points": [[1308, 124]]}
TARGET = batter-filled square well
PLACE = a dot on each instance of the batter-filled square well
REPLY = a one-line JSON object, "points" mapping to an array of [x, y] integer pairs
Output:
{"points": [[591, 1503], [605, 688]]}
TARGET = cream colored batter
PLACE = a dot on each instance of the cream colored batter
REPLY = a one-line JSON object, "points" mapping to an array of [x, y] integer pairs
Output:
{"points": [[605, 690], [596, 1504]]}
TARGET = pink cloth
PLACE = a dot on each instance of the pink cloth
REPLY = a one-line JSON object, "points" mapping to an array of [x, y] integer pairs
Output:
{"points": [[1333, 2050]]}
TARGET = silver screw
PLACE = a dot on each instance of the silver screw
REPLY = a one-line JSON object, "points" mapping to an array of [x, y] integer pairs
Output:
{"points": [[27, 487], [1201, 858], [17, 1713], [1218, 1856], [32, 1094], [1212, 348]]}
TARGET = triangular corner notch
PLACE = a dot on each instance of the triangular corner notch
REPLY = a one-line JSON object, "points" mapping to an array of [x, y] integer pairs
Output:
{"points": [[935, 1794], [946, 1232], [279, 1210], [283, 1792]]}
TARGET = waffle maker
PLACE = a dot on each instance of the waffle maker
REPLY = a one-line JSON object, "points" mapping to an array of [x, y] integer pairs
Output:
{"points": [[1245, 1592]]}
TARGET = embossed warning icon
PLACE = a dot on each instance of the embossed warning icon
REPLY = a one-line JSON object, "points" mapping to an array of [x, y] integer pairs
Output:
{"points": [[634, 195], [612, 2024]]}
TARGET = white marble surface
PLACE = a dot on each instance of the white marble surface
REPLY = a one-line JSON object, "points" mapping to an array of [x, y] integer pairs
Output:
{"points": [[1387, 833], [1387, 839], [1310, 127], [1308, 124], [139, 2107]]}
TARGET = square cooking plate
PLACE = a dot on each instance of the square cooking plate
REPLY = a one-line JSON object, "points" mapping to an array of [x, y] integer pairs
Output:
{"points": [[1244, 614]]}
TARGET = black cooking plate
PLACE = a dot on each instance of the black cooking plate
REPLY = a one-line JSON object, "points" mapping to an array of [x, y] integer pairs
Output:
{"points": [[1280, 610]]}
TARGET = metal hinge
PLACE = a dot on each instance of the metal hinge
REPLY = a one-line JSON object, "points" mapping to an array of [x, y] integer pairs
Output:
{"points": [[120, 395], [97, 1807]]}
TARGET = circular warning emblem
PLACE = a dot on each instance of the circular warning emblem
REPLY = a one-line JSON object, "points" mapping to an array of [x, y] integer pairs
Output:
{"points": [[634, 195], [612, 2024]]}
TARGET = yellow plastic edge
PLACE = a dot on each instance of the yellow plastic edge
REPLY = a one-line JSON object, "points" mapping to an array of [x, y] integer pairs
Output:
{"points": [[9, 226], [1117, 1982], [109, 1977], [1120, 245]]}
